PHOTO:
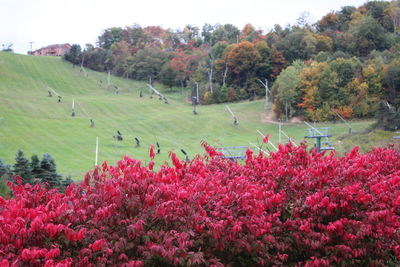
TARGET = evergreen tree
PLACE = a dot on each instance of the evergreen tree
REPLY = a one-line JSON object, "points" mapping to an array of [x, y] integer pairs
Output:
{"points": [[387, 117], [167, 75], [4, 190], [22, 167], [37, 171], [49, 171], [5, 174], [74, 55], [4, 168]]}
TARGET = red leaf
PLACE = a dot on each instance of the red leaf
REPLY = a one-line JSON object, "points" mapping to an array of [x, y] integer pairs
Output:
{"points": [[266, 139], [152, 153]]}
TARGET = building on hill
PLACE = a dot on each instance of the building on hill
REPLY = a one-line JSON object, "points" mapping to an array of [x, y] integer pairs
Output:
{"points": [[51, 50]]}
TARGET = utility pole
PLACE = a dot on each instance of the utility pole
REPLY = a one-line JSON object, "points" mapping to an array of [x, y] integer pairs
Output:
{"points": [[265, 84], [286, 111], [30, 43], [97, 151], [83, 61], [280, 131], [73, 107], [197, 92]]}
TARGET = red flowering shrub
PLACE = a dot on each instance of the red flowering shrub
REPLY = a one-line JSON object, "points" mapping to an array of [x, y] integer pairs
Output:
{"points": [[293, 207]]}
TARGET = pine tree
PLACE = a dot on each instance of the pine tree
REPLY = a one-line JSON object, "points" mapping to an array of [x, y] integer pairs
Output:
{"points": [[22, 167], [5, 174], [49, 171], [4, 168], [387, 117], [37, 171]]}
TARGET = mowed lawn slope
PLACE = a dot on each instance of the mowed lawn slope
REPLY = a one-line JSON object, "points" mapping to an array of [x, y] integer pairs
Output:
{"points": [[36, 123]]}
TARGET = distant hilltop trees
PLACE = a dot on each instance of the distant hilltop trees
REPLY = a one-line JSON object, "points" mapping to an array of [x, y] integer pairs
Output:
{"points": [[347, 61]]}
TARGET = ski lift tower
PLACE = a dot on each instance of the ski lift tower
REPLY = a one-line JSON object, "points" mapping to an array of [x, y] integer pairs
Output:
{"points": [[318, 134]]}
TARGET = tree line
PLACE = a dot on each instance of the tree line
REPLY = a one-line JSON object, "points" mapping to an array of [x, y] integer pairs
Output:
{"points": [[32, 171], [346, 61]]}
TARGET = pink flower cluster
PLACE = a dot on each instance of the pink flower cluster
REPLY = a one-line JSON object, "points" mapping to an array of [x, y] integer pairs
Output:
{"points": [[295, 207]]}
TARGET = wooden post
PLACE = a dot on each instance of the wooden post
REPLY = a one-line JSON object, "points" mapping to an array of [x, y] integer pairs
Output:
{"points": [[280, 131], [225, 74], [97, 151], [286, 111], [83, 60], [109, 78], [197, 92], [319, 144], [266, 91], [266, 94], [73, 107]]}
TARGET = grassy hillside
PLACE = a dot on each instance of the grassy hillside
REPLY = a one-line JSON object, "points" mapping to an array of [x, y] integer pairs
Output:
{"points": [[38, 124]]}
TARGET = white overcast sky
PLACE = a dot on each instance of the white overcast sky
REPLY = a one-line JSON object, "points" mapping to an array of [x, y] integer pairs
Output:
{"points": [[46, 22]]}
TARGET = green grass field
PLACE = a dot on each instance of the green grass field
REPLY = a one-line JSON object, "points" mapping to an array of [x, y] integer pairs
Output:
{"points": [[36, 123]]}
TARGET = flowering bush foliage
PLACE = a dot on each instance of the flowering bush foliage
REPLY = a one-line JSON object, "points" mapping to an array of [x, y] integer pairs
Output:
{"points": [[294, 207]]}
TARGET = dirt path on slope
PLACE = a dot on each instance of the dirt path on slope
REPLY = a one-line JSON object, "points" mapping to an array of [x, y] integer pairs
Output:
{"points": [[269, 117]]}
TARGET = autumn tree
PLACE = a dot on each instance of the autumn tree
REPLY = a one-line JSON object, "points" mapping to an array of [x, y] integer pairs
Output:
{"points": [[74, 55], [393, 10], [329, 22], [369, 35], [287, 87], [242, 60], [345, 69], [109, 37], [278, 62], [118, 53], [146, 64], [310, 91], [250, 34], [378, 10], [219, 52], [97, 58], [185, 62], [264, 66], [292, 45], [167, 75], [190, 34], [228, 33], [206, 33], [344, 17], [392, 80]]}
